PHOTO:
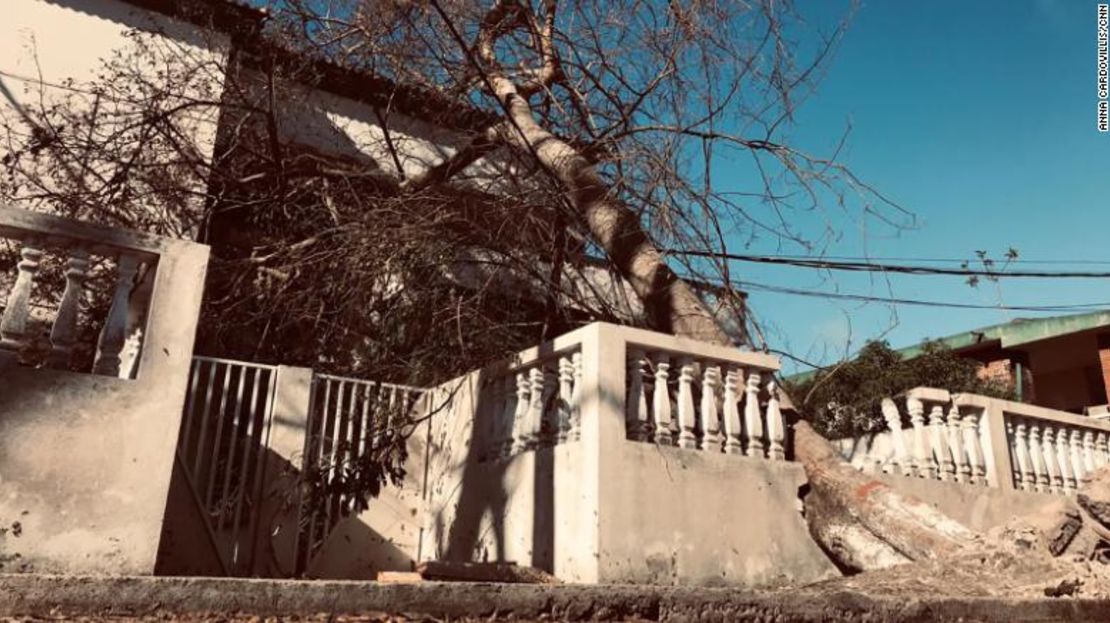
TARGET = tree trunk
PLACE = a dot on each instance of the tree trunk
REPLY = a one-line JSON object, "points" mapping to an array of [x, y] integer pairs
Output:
{"points": [[670, 303]]}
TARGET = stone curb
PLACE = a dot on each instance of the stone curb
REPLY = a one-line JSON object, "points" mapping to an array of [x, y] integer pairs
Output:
{"points": [[42, 595]]}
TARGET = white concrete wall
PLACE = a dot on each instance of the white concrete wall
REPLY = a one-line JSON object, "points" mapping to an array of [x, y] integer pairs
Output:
{"points": [[86, 460]]}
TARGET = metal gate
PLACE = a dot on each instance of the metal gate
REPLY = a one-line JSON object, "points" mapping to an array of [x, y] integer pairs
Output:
{"points": [[349, 421], [225, 434]]}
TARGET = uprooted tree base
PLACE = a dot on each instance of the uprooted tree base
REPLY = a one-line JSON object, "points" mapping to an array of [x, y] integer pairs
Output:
{"points": [[906, 547]]}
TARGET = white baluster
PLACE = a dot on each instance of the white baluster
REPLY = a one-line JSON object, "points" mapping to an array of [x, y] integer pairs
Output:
{"points": [[549, 420], [1024, 463], [576, 399], [1063, 458], [661, 401], [535, 406], [637, 423], [1089, 453], [753, 419], [522, 412], [1048, 449], [733, 380], [1075, 447], [924, 465], [956, 445], [975, 455], [940, 443], [894, 425], [63, 335], [776, 427], [686, 414], [710, 420], [114, 332], [566, 396], [1036, 451], [1101, 450], [13, 326]]}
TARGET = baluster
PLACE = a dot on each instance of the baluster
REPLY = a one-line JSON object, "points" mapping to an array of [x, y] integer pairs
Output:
{"points": [[549, 420], [710, 419], [1075, 445], [1028, 478], [63, 335], [686, 416], [114, 332], [753, 419], [733, 380], [776, 428], [956, 444], [894, 425], [522, 412], [1011, 439], [976, 458], [576, 399], [1063, 458], [1089, 463], [661, 402], [924, 465], [637, 424], [566, 395], [1048, 449], [940, 443], [1100, 449], [1040, 467], [508, 416], [535, 407], [13, 326]]}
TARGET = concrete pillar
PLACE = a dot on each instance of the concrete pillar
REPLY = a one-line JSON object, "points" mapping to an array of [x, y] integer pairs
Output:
{"points": [[275, 533], [996, 446], [291, 404]]}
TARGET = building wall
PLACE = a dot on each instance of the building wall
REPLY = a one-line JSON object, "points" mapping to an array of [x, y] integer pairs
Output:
{"points": [[52, 51]]}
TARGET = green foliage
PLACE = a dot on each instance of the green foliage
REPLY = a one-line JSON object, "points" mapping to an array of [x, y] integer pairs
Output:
{"points": [[843, 401]]}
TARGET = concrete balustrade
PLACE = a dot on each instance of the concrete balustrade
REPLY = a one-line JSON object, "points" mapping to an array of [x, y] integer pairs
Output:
{"points": [[1040, 449], [86, 459], [42, 237], [982, 441], [717, 402], [668, 441]]}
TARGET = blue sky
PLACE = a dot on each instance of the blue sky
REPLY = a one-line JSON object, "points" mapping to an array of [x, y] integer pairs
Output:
{"points": [[979, 117]]}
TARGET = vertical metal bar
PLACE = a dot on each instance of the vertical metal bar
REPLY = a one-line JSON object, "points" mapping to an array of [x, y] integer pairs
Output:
{"points": [[265, 420], [323, 453], [204, 421], [364, 427], [183, 436], [336, 457], [213, 461], [248, 438], [236, 429]]}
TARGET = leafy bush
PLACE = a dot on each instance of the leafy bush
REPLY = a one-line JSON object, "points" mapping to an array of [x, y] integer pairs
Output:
{"points": [[843, 400]]}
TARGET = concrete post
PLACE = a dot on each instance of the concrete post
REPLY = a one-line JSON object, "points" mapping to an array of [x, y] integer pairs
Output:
{"points": [[274, 550], [604, 356], [290, 421], [996, 446]]}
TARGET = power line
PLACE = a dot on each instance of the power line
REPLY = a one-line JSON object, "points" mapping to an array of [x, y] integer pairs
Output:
{"points": [[865, 298], [938, 260], [885, 267]]}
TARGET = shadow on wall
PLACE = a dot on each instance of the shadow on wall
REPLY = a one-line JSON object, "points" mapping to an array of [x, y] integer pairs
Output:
{"points": [[261, 544], [495, 508]]}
